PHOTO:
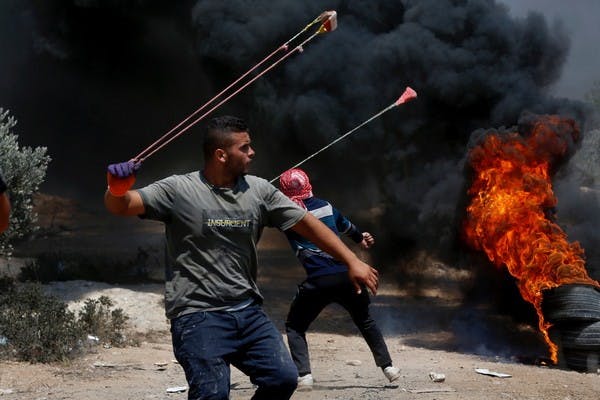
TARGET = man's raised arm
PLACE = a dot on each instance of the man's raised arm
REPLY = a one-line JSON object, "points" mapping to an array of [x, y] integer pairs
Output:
{"points": [[4, 212], [130, 202], [4, 206]]}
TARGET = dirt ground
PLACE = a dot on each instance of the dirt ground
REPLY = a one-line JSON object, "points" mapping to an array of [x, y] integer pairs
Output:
{"points": [[342, 364], [429, 330]]}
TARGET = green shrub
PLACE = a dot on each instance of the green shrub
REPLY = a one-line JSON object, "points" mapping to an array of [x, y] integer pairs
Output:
{"points": [[97, 318], [23, 169], [37, 327]]}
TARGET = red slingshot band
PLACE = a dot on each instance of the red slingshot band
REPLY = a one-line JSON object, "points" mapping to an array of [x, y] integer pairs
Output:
{"points": [[328, 23]]}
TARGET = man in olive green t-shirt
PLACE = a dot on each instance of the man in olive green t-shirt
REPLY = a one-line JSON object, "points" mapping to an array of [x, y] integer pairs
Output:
{"points": [[213, 221]]}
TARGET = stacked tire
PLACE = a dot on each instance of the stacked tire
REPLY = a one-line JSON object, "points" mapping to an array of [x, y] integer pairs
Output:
{"points": [[574, 311]]}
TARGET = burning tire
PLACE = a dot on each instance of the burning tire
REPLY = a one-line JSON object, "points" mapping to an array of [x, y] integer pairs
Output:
{"points": [[571, 302], [580, 335], [583, 361], [575, 312]]}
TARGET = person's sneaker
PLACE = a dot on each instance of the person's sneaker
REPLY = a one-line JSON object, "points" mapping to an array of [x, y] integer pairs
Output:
{"points": [[392, 373], [305, 382]]}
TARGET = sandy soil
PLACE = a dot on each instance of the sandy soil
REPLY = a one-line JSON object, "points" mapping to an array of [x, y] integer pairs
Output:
{"points": [[342, 364], [429, 330]]}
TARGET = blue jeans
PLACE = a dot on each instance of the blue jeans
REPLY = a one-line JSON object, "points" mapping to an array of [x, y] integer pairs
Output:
{"points": [[207, 343]]}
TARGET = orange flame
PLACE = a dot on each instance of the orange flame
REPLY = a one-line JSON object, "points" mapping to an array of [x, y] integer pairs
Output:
{"points": [[507, 215]]}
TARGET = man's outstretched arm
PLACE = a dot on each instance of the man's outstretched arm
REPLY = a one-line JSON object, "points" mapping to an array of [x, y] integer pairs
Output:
{"points": [[317, 232], [130, 202]]}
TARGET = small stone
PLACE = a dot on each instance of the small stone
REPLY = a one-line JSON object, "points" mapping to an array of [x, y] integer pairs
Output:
{"points": [[436, 377]]}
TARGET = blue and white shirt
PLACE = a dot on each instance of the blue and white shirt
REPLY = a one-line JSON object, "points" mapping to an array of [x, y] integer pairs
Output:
{"points": [[315, 261]]}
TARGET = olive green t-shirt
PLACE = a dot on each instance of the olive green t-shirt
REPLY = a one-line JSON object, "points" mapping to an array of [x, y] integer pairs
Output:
{"points": [[212, 234]]}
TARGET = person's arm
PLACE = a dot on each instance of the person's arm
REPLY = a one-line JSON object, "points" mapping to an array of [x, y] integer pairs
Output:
{"points": [[317, 232], [4, 211], [346, 227], [4, 206], [130, 203]]}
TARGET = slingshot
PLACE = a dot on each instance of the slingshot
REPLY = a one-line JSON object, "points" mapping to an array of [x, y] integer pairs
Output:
{"points": [[408, 95], [328, 23]]}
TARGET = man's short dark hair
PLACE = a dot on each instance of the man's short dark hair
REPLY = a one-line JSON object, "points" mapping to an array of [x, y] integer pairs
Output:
{"points": [[218, 133]]}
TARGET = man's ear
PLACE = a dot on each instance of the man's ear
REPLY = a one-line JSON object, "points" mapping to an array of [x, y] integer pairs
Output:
{"points": [[221, 155]]}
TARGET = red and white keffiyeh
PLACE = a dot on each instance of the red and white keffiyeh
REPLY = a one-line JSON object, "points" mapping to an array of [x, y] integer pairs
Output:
{"points": [[294, 183]]}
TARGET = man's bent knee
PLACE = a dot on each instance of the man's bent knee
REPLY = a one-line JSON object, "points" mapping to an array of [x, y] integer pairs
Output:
{"points": [[280, 386], [207, 380]]}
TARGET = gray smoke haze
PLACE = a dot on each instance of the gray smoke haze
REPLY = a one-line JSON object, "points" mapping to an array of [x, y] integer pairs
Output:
{"points": [[96, 81], [579, 19]]}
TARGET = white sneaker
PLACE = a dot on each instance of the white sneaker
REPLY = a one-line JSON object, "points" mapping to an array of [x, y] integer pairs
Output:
{"points": [[305, 382], [392, 373]]}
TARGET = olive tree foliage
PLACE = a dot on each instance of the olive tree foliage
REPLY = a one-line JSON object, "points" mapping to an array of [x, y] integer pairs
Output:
{"points": [[23, 170]]}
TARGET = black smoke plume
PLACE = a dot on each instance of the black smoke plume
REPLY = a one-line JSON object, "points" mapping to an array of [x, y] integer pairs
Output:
{"points": [[96, 81]]}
